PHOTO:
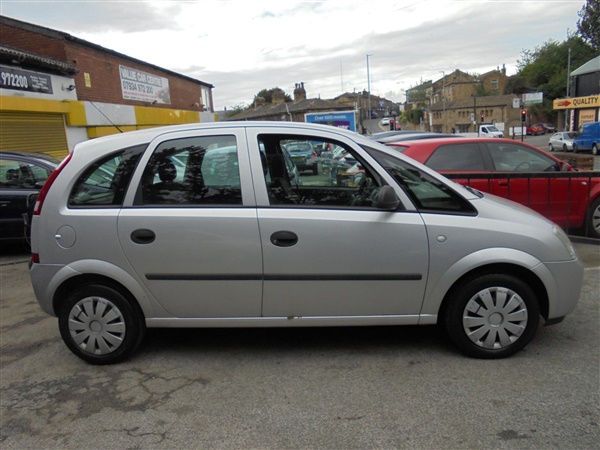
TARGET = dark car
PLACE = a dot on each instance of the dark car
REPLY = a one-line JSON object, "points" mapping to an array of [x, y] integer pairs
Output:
{"points": [[21, 177], [415, 136]]}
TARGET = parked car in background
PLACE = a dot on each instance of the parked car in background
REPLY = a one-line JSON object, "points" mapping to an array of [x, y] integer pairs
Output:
{"points": [[21, 177], [519, 172], [415, 136], [549, 127], [383, 134], [401, 245], [304, 155], [536, 129], [562, 141], [588, 139]]}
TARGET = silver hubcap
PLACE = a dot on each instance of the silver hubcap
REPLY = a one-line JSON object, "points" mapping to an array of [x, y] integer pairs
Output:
{"points": [[495, 317], [97, 326]]}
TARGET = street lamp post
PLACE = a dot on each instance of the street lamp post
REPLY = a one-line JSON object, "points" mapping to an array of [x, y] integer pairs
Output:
{"points": [[444, 99], [368, 89]]}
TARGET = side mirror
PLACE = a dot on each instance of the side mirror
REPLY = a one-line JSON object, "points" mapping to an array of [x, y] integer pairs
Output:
{"points": [[387, 199]]}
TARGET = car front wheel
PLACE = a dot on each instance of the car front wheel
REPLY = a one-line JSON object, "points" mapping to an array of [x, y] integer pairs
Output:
{"points": [[593, 220], [492, 316], [100, 325]]}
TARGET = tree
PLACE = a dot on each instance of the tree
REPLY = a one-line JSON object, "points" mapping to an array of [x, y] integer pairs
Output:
{"points": [[267, 94], [589, 23], [545, 68]]}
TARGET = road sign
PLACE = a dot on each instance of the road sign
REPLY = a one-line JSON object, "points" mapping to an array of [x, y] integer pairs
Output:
{"points": [[530, 99]]}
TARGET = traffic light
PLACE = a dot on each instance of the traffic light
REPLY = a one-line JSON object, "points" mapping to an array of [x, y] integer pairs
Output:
{"points": [[482, 118], [523, 116]]}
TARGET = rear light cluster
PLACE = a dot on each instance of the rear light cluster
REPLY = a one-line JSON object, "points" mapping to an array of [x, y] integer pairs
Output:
{"points": [[37, 208]]}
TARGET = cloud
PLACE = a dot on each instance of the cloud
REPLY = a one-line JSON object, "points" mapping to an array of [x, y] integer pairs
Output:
{"points": [[242, 47]]}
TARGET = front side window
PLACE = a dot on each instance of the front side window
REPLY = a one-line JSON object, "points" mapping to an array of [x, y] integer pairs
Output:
{"points": [[192, 171], [106, 181], [464, 157], [313, 172], [511, 157], [427, 193]]}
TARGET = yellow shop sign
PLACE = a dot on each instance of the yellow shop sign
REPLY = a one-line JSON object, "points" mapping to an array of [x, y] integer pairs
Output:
{"points": [[593, 101]]}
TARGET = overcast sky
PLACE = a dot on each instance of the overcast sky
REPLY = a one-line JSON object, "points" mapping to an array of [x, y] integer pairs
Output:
{"points": [[243, 46]]}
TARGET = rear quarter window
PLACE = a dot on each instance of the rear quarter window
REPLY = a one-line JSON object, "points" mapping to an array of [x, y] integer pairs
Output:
{"points": [[105, 182]]}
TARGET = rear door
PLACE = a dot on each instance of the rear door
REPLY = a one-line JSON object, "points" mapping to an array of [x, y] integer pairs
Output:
{"points": [[192, 232]]}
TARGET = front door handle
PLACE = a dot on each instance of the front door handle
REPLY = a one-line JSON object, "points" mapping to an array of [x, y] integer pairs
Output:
{"points": [[143, 236], [284, 238]]}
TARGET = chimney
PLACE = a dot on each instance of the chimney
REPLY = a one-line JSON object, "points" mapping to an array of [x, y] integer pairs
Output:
{"points": [[259, 101], [299, 92]]}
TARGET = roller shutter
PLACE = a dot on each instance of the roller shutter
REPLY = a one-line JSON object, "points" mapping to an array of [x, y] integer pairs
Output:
{"points": [[33, 132]]}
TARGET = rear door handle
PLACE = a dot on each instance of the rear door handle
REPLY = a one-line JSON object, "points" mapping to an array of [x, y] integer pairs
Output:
{"points": [[284, 239], [143, 236]]}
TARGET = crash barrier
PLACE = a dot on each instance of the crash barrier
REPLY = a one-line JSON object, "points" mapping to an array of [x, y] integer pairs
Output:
{"points": [[553, 194]]}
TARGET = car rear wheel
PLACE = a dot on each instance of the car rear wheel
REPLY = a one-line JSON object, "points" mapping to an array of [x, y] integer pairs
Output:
{"points": [[551, 147], [595, 150], [492, 316], [565, 149], [100, 325]]}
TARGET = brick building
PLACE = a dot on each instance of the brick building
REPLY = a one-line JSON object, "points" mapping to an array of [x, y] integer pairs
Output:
{"points": [[57, 90]]}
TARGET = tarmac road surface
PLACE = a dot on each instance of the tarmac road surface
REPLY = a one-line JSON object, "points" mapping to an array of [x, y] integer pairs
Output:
{"points": [[388, 387]]}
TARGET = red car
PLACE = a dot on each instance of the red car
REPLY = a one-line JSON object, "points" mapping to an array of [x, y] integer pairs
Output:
{"points": [[536, 129], [519, 172]]}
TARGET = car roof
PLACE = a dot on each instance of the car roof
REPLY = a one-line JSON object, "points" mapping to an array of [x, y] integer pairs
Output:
{"points": [[40, 157], [434, 143], [416, 136], [140, 137]]}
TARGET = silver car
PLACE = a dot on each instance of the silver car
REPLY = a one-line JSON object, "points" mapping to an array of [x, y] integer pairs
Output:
{"points": [[562, 141], [206, 225]]}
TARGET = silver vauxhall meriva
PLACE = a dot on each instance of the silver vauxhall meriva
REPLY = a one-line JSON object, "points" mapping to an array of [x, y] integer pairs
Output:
{"points": [[212, 225]]}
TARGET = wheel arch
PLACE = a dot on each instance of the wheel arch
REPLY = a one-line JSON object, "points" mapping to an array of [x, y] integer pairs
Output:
{"points": [[522, 273], [86, 279]]}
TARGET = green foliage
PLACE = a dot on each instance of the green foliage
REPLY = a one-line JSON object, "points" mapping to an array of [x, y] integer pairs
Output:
{"points": [[545, 69], [413, 116], [267, 94], [589, 23]]}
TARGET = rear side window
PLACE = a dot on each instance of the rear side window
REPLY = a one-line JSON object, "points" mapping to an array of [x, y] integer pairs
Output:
{"points": [[465, 157], [105, 182], [193, 171]]}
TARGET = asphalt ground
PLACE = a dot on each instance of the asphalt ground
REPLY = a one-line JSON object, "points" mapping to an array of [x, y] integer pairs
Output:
{"points": [[328, 388]]}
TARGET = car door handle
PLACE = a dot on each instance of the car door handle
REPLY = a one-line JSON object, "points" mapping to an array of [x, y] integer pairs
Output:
{"points": [[143, 236], [284, 238]]}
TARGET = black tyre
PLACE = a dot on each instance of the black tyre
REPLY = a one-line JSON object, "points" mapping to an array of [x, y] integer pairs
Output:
{"points": [[595, 150], [565, 149], [100, 325], [551, 147], [492, 316], [593, 220]]}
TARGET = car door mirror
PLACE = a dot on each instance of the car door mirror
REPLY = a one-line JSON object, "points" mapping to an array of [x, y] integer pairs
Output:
{"points": [[387, 199]]}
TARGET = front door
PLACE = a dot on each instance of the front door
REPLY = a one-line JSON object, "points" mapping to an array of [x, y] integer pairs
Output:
{"points": [[327, 250]]}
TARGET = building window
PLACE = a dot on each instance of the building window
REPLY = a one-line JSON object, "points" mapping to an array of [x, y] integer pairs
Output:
{"points": [[495, 85]]}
